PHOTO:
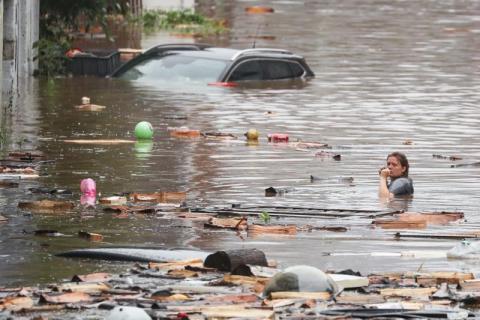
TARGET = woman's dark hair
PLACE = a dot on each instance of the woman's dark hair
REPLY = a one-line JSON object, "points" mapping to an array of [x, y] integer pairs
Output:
{"points": [[403, 161]]}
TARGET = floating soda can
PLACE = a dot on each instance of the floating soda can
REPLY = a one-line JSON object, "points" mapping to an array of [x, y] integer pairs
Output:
{"points": [[278, 137]]}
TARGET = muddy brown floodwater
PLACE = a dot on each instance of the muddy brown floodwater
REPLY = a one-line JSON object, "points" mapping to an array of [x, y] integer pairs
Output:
{"points": [[386, 72]]}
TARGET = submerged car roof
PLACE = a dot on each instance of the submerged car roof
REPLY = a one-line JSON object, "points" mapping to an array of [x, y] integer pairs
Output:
{"points": [[209, 52]]}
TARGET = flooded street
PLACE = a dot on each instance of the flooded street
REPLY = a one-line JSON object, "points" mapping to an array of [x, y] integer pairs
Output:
{"points": [[386, 73]]}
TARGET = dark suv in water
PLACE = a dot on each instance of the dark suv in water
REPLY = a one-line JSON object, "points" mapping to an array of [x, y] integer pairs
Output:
{"points": [[203, 63]]}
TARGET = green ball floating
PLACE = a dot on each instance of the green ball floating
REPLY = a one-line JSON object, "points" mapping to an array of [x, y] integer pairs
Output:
{"points": [[144, 130]]}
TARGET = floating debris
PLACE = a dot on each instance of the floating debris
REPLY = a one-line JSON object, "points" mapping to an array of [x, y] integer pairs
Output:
{"points": [[252, 134], [99, 141], [219, 135], [90, 236], [259, 9], [418, 220], [277, 137], [46, 206], [272, 229], [87, 106], [452, 158], [161, 197], [184, 132]]}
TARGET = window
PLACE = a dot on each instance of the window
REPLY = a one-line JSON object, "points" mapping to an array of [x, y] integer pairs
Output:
{"points": [[297, 70], [249, 70], [277, 70], [176, 67]]}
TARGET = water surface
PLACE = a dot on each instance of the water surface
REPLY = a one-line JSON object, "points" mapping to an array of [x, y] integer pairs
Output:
{"points": [[386, 72]]}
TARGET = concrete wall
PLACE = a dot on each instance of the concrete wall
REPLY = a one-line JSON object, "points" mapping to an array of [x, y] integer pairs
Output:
{"points": [[20, 31], [19, 26]]}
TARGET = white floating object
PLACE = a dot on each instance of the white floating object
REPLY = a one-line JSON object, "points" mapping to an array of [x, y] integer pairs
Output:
{"points": [[128, 313], [348, 281]]}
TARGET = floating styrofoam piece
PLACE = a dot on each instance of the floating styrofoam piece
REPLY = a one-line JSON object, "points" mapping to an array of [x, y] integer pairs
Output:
{"points": [[301, 278], [347, 281], [465, 250]]}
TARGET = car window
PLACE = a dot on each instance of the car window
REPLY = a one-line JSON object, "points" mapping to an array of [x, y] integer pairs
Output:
{"points": [[297, 70], [176, 67], [277, 70], [248, 70]]}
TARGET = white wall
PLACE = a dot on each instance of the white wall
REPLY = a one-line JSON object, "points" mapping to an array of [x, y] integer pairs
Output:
{"points": [[168, 4]]}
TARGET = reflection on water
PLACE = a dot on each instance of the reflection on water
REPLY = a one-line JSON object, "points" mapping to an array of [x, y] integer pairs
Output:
{"points": [[385, 73]]}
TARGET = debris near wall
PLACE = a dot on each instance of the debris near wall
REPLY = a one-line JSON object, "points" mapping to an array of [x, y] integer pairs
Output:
{"points": [[166, 291]]}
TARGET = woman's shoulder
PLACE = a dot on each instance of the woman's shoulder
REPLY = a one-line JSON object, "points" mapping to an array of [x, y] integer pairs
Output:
{"points": [[401, 186]]}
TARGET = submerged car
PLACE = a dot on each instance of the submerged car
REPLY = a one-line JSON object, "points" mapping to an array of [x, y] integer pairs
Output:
{"points": [[213, 65]]}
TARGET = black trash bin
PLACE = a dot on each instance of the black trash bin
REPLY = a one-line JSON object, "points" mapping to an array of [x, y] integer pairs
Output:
{"points": [[94, 63]]}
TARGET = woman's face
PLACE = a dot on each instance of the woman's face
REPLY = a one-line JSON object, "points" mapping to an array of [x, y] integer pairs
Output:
{"points": [[395, 167]]}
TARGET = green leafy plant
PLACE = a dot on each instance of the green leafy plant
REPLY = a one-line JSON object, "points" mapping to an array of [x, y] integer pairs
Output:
{"points": [[265, 217], [183, 21]]}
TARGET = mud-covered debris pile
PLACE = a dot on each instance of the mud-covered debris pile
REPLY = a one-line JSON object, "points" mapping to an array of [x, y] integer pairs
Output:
{"points": [[190, 290]]}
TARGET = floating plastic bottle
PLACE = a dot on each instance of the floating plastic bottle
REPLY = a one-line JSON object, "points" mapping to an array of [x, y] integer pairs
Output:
{"points": [[278, 137]]}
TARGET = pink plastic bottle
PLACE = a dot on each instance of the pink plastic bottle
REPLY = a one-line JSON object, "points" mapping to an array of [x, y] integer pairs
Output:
{"points": [[89, 192], [278, 137]]}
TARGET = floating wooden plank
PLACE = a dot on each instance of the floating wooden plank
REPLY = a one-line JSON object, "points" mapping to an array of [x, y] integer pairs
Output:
{"points": [[227, 223], [85, 287], [440, 277], [99, 141], [38, 309], [323, 295], [272, 229], [397, 224], [171, 298], [71, 297], [431, 217], [92, 277], [164, 197], [360, 299], [244, 280], [407, 292], [470, 285], [176, 264], [46, 206], [15, 303], [3, 219], [182, 273], [184, 133]]}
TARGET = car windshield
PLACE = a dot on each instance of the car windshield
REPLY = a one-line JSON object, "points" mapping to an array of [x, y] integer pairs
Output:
{"points": [[176, 67]]}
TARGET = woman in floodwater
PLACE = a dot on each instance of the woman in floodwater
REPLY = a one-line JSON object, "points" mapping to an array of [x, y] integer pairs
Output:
{"points": [[397, 170]]}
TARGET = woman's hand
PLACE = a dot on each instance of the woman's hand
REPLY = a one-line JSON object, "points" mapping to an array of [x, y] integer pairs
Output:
{"points": [[384, 172], [383, 191]]}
